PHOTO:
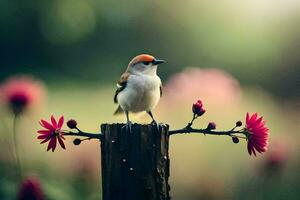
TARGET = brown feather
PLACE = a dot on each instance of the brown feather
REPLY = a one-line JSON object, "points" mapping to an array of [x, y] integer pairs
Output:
{"points": [[124, 77], [121, 84]]}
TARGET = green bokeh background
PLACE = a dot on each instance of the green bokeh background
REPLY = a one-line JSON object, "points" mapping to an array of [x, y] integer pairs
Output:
{"points": [[78, 49]]}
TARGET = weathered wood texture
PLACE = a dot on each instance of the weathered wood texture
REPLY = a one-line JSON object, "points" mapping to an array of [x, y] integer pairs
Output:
{"points": [[135, 166]]}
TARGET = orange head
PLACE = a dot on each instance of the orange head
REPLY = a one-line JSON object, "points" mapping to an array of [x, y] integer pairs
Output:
{"points": [[144, 63]]}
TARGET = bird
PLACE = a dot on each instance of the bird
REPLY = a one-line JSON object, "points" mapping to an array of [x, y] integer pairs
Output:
{"points": [[139, 88]]}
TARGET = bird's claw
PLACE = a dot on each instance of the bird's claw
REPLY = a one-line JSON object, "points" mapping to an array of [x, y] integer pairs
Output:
{"points": [[127, 127], [156, 125]]}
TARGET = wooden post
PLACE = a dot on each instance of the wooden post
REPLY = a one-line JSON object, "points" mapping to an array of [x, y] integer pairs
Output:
{"points": [[135, 166]]}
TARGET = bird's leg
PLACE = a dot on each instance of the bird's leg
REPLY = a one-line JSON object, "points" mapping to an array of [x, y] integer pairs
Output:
{"points": [[153, 121], [128, 125]]}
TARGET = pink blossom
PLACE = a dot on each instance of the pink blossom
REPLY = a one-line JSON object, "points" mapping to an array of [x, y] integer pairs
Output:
{"points": [[278, 155], [31, 189], [53, 133], [210, 84], [258, 134], [21, 92]]}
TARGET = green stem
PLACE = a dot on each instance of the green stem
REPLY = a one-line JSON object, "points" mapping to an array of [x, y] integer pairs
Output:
{"points": [[15, 145]]}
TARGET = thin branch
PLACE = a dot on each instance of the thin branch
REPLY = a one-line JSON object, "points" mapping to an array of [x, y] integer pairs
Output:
{"points": [[84, 134], [189, 129]]}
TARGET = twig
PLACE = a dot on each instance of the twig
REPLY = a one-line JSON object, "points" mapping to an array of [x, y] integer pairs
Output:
{"points": [[84, 134], [189, 129]]}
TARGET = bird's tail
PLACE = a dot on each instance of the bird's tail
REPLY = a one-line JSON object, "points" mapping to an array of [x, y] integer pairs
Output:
{"points": [[118, 111]]}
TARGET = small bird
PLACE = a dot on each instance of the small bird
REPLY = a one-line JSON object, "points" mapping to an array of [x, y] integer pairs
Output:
{"points": [[139, 88]]}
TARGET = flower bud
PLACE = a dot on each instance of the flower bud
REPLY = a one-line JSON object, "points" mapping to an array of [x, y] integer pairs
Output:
{"points": [[72, 124], [239, 123], [235, 140], [77, 141], [198, 108], [211, 126]]}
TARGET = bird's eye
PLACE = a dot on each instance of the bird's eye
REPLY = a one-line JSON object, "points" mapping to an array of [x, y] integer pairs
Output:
{"points": [[146, 62]]}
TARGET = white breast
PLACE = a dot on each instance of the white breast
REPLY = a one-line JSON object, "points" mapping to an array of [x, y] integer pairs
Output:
{"points": [[142, 93]]}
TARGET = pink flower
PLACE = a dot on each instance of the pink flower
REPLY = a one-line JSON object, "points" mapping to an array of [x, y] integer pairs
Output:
{"points": [[258, 134], [198, 108], [30, 189], [21, 92], [278, 155], [211, 83], [53, 133]]}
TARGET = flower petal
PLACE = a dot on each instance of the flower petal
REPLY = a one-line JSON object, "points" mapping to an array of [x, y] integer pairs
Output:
{"points": [[51, 143], [249, 149], [61, 142], [259, 120], [247, 118], [45, 140], [46, 125], [60, 122], [44, 132], [54, 144], [252, 119], [54, 123], [258, 139], [41, 137]]}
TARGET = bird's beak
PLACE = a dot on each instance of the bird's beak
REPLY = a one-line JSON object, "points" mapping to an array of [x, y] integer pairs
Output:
{"points": [[157, 61]]}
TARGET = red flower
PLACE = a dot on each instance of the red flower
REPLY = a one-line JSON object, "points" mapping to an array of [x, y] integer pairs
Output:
{"points": [[21, 92], [258, 134], [198, 108], [52, 133], [31, 189]]}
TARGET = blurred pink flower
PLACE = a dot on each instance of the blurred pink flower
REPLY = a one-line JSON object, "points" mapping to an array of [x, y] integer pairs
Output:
{"points": [[277, 157], [52, 133], [30, 189], [213, 85], [21, 92], [258, 134]]}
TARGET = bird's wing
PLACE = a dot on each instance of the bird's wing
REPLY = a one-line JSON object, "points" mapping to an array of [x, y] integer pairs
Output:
{"points": [[121, 85], [160, 90]]}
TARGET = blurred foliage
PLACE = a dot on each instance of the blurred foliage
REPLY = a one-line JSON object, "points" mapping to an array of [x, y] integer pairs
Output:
{"points": [[92, 41]]}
